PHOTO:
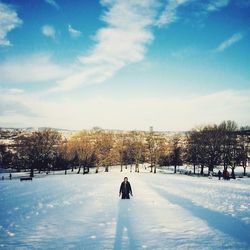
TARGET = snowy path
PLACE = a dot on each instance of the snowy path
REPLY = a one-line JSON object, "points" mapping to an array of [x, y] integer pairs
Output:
{"points": [[84, 212]]}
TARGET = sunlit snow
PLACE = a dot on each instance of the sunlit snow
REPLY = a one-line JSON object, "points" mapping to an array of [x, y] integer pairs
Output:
{"points": [[167, 211]]}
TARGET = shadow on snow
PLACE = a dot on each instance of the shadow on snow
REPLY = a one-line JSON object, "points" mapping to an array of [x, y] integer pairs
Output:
{"points": [[124, 238], [222, 222]]}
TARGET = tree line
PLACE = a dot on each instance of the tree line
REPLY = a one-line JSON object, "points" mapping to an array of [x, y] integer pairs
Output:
{"points": [[204, 147]]}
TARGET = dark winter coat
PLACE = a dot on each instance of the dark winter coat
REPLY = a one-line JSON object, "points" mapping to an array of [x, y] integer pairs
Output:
{"points": [[125, 190]]}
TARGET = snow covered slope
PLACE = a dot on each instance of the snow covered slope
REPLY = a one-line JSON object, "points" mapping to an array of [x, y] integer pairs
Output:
{"points": [[84, 212]]}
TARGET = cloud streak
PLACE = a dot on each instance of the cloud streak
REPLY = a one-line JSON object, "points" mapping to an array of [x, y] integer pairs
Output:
{"points": [[9, 20], [73, 32], [31, 69], [169, 14], [229, 42], [216, 5], [121, 42], [53, 3]]}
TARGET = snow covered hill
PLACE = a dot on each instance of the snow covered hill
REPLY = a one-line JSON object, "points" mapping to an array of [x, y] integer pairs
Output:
{"points": [[84, 212]]}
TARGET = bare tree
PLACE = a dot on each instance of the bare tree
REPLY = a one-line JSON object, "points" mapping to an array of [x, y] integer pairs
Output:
{"points": [[156, 147], [228, 140], [195, 149], [119, 148], [39, 149], [137, 147], [83, 146], [243, 147], [6, 156], [105, 152], [175, 156], [130, 151], [192, 150], [151, 148]]}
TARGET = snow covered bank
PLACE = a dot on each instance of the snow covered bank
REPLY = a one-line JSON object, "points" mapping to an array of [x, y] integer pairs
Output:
{"points": [[84, 212]]}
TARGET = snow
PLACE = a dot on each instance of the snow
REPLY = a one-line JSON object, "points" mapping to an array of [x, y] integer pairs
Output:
{"points": [[167, 211]]}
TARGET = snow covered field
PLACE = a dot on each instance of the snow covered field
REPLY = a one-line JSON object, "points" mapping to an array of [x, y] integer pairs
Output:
{"points": [[167, 211]]}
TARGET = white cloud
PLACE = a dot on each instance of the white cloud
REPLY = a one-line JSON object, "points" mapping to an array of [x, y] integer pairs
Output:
{"points": [[86, 76], [229, 42], [73, 32], [31, 69], [49, 31], [14, 91], [53, 3], [121, 42], [163, 114], [169, 14], [11, 102], [9, 20], [216, 5]]}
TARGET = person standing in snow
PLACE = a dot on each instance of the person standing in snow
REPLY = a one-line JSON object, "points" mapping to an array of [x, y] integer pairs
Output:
{"points": [[125, 189], [224, 174], [219, 174], [227, 175]]}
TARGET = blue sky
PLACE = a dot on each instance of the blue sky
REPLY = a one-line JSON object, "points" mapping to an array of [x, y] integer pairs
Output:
{"points": [[171, 64]]}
